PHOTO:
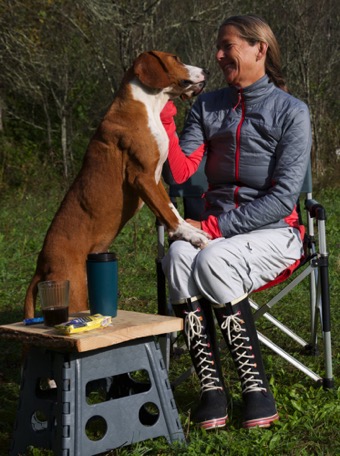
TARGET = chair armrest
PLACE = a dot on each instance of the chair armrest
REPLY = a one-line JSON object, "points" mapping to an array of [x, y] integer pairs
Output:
{"points": [[315, 209]]}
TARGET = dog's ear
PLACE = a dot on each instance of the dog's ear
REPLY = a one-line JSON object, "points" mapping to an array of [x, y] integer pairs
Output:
{"points": [[151, 71]]}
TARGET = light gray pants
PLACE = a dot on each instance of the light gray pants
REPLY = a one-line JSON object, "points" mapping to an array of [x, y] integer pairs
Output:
{"points": [[227, 269]]}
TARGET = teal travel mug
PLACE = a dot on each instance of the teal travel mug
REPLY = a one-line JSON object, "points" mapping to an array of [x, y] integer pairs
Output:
{"points": [[102, 283]]}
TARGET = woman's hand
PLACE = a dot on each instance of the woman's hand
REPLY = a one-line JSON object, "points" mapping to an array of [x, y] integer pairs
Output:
{"points": [[194, 223]]}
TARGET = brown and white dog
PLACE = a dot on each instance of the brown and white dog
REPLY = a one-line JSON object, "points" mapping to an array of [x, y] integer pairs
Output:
{"points": [[121, 170]]}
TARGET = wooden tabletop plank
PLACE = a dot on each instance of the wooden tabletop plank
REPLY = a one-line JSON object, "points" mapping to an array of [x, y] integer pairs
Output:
{"points": [[125, 327]]}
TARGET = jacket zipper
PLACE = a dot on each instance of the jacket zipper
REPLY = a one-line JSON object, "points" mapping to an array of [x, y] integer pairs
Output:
{"points": [[238, 146]]}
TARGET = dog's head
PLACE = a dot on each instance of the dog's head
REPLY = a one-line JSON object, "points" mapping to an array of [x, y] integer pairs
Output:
{"points": [[164, 71]]}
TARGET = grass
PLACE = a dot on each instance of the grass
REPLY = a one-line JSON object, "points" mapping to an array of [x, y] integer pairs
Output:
{"points": [[309, 416]]}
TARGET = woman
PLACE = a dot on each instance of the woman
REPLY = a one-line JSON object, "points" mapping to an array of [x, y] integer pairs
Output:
{"points": [[257, 139]]}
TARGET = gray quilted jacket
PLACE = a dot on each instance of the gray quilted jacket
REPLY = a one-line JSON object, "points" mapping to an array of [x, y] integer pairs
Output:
{"points": [[257, 143]]}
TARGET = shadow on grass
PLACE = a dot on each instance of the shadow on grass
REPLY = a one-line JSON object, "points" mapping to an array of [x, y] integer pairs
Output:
{"points": [[10, 350], [10, 367]]}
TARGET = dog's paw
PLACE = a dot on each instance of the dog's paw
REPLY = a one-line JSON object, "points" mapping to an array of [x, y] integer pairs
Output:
{"points": [[187, 232], [199, 240]]}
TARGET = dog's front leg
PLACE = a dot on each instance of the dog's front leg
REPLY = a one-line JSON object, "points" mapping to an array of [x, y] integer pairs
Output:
{"points": [[157, 199]]}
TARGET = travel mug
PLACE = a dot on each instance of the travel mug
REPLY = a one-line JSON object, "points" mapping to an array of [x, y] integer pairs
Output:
{"points": [[102, 283]]}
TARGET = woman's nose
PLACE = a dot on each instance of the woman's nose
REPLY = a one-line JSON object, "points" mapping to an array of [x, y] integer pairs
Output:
{"points": [[219, 54]]}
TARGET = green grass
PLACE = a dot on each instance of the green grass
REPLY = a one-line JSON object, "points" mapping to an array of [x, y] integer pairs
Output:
{"points": [[309, 416]]}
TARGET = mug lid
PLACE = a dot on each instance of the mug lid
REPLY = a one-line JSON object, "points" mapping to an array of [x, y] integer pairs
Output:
{"points": [[102, 256]]}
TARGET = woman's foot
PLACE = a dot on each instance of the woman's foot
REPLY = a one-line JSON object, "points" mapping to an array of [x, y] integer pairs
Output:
{"points": [[260, 409], [212, 411]]}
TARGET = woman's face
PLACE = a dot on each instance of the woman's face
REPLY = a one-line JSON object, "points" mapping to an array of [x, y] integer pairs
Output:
{"points": [[242, 64]]}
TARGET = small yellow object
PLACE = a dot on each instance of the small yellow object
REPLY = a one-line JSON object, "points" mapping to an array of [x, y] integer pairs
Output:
{"points": [[82, 324]]}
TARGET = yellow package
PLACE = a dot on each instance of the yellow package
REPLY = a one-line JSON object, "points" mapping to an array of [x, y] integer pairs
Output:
{"points": [[81, 324]]}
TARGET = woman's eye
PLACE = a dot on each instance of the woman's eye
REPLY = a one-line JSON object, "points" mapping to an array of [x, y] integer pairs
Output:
{"points": [[224, 47]]}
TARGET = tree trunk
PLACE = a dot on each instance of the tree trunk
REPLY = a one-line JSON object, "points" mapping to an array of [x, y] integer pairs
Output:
{"points": [[1, 121], [64, 142]]}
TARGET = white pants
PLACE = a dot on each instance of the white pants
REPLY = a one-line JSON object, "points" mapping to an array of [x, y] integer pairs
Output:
{"points": [[227, 269]]}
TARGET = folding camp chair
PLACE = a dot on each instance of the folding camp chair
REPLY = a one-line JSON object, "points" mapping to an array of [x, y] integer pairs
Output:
{"points": [[314, 266]]}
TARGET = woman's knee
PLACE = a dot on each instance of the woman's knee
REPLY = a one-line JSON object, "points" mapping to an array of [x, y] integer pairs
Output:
{"points": [[180, 252], [211, 258], [216, 275]]}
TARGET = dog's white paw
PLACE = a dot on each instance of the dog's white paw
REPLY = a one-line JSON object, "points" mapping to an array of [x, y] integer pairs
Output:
{"points": [[189, 233]]}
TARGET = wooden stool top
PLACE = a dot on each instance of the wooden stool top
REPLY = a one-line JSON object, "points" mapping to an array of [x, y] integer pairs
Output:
{"points": [[125, 327]]}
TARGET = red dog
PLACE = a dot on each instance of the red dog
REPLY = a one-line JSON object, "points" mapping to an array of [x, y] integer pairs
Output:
{"points": [[121, 170]]}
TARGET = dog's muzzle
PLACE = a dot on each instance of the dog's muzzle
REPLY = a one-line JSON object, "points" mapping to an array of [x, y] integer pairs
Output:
{"points": [[192, 89]]}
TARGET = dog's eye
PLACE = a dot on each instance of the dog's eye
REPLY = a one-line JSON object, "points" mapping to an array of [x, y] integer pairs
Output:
{"points": [[185, 82], [176, 58]]}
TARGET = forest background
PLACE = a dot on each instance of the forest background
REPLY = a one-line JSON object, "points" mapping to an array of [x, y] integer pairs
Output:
{"points": [[61, 62]]}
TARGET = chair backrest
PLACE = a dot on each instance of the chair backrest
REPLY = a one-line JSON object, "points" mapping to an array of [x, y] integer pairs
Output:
{"points": [[191, 192], [194, 187], [307, 186]]}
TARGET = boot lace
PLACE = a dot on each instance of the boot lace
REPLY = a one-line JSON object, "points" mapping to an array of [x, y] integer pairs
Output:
{"points": [[244, 357], [198, 340]]}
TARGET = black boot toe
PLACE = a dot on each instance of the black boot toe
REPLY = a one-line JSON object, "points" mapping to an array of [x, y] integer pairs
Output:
{"points": [[260, 409], [212, 410]]}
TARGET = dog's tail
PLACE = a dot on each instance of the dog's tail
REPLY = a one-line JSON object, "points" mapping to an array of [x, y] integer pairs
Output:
{"points": [[31, 297]]}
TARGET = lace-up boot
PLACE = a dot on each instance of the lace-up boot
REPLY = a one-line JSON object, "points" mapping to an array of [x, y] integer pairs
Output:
{"points": [[211, 413], [238, 329]]}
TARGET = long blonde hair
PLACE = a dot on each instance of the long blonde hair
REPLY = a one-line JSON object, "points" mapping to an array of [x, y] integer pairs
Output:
{"points": [[254, 29]]}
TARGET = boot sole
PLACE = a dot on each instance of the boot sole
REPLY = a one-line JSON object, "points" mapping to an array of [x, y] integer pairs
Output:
{"points": [[214, 423], [261, 422]]}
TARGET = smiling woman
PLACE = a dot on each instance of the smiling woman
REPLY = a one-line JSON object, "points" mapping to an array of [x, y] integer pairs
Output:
{"points": [[257, 141]]}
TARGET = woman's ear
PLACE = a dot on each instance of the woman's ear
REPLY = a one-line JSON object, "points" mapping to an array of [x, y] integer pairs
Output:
{"points": [[262, 50]]}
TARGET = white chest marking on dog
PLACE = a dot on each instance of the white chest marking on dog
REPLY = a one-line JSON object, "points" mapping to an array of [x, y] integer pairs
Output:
{"points": [[154, 104]]}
